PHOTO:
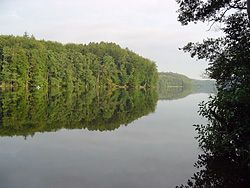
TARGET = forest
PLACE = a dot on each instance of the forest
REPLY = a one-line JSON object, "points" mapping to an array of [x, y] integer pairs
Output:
{"points": [[37, 64]]}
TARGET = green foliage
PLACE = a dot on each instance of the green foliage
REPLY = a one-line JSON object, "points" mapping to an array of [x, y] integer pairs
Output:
{"points": [[225, 139], [30, 63], [26, 113]]}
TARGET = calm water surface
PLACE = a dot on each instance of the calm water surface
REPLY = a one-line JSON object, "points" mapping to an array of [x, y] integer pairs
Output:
{"points": [[155, 151]]}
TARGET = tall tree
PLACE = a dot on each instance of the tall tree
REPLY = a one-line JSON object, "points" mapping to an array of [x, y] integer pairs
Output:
{"points": [[225, 139]]}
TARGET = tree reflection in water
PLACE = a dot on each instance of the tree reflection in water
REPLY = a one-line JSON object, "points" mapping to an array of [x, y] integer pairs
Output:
{"points": [[25, 113], [225, 142]]}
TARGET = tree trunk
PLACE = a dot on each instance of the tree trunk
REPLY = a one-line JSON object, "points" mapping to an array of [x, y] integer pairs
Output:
{"points": [[248, 8]]}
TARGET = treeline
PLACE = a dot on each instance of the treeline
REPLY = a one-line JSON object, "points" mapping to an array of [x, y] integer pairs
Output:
{"points": [[29, 63], [169, 79], [26, 113], [169, 82]]}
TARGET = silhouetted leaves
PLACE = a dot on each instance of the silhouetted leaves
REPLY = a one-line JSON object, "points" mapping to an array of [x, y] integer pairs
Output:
{"points": [[225, 140]]}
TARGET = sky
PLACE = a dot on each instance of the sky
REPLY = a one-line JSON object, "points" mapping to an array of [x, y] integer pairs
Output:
{"points": [[147, 27]]}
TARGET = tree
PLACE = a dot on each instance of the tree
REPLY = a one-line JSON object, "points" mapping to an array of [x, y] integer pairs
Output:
{"points": [[26, 35], [211, 10], [225, 139]]}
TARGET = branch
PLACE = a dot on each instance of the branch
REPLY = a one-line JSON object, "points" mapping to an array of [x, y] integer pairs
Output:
{"points": [[248, 8], [219, 19]]}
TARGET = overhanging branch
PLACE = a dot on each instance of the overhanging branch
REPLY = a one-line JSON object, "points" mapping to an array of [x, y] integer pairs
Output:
{"points": [[248, 8]]}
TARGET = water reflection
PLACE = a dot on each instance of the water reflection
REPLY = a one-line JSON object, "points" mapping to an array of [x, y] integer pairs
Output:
{"points": [[157, 150], [222, 169], [225, 158], [225, 144], [173, 93], [25, 113]]}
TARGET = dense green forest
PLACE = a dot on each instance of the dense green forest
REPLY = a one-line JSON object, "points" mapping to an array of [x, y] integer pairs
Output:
{"points": [[26, 113], [29, 63]]}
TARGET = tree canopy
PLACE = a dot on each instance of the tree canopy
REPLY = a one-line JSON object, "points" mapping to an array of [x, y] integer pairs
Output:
{"points": [[208, 10], [29, 63]]}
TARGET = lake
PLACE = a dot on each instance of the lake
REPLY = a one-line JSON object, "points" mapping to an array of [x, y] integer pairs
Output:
{"points": [[135, 142]]}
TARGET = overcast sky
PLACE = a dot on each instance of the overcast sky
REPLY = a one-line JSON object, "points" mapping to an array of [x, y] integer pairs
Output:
{"points": [[148, 27]]}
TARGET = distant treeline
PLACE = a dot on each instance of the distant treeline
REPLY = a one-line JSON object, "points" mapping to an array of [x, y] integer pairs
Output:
{"points": [[169, 79], [25, 113], [173, 86], [29, 63]]}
